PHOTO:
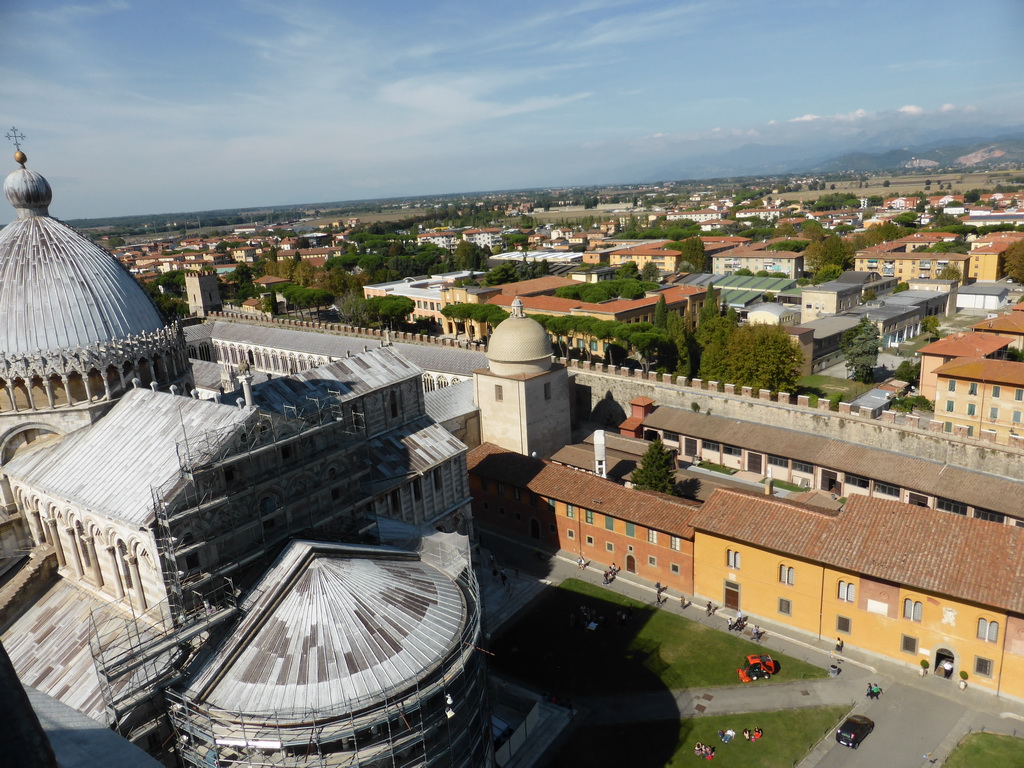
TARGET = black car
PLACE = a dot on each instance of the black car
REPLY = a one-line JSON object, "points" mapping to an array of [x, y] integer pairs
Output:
{"points": [[852, 732]]}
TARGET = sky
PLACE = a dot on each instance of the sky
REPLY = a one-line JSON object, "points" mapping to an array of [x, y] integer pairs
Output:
{"points": [[139, 107]]}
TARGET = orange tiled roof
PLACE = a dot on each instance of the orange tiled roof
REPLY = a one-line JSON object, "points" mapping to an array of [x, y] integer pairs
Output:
{"points": [[966, 345], [651, 510], [537, 285], [914, 546], [1011, 322], [983, 369]]}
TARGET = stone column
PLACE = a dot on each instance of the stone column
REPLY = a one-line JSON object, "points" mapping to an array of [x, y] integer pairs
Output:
{"points": [[48, 383], [94, 562], [88, 388], [28, 392], [67, 390], [120, 374], [106, 387], [133, 567], [77, 563], [58, 546], [118, 583], [10, 394]]}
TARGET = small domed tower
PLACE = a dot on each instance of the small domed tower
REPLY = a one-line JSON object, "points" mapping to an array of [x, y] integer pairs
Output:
{"points": [[523, 396]]}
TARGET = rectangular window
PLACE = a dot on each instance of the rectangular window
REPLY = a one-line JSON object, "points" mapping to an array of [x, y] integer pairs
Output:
{"points": [[799, 466], [949, 406], [533, 499], [516, 492], [732, 558], [857, 481], [499, 394], [674, 568], [671, 437], [609, 523], [1018, 395], [778, 461], [973, 388], [631, 530], [673, 543], [417, 489], [917, 500], [553, 506], [946, 505], [652, 536], [652, 560], [970, 409], [732, 450], [588, 515], [785, 607], [992, 517], [501, 489], [884, 489], [1016, 417], [571, 533], [996, 390], [993, 413], [843, 624], [951, 387], [590, 541], [437, 479], [710, 445], [570, 511], [982, 667], [690, 446], [908, 644], [609, 547]]}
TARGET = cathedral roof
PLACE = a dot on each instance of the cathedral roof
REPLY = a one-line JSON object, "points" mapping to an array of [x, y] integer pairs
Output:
{"points": [[59, 291]]}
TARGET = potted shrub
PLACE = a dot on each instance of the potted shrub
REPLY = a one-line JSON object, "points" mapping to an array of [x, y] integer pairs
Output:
{"points": [[963, 679], [924, 667]]}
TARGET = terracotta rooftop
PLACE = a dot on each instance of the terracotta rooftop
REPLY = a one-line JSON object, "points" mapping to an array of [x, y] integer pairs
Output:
{"points": [[966, 345], [1011, 322], [538, 285], [651, 510], [983, 369], [920, 548]]}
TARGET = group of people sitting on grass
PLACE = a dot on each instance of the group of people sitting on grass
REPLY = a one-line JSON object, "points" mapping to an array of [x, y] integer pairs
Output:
{"points": [[708, 752]]}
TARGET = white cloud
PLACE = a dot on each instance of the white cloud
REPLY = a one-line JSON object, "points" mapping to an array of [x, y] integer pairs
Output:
{"points": [[805, 118], [911, 109], [948, 107]]}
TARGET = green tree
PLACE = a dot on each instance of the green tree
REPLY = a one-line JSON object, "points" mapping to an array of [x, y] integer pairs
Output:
{"points": [[832, 251], [655, 471], [650, 273], [506, 272], [628, 271], [909, 372], [860, 345], [661, 314], [692, 257], [390, 310], [1013, 261], [763, 357], [950, 272], [930, 325]]}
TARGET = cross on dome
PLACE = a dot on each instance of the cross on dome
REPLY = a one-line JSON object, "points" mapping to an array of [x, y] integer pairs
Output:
{"points": [[17, 138]]}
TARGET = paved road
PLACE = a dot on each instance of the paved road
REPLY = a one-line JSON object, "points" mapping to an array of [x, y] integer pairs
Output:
{"points": [[915, 716]]}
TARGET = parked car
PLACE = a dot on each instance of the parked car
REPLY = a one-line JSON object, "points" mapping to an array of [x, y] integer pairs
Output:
{"points": [[853, 730]]}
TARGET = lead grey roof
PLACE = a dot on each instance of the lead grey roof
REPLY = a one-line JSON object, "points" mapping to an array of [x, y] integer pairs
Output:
{"points": [[413, 448], [450, 402], [58, 291], [428, 357], [334, 628], [343, 379], [110, 467]]}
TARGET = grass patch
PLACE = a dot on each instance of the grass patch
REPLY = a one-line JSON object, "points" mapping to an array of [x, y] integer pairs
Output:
{"points": [[717, 467], [654, 650], [823, 386], [987, 749], [788, 736], [785, 486]]}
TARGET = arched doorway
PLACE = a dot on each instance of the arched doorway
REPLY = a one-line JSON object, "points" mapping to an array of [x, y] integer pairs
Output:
{"points": [[945, 663], [534, 529], [630, 564]]}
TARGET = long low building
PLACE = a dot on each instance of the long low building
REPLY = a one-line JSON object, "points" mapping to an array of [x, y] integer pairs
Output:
{"points": [[845, 469]]}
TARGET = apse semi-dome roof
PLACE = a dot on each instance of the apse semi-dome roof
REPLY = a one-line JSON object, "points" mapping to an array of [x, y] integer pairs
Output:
{"points": [[58, 291], [519, 345]]}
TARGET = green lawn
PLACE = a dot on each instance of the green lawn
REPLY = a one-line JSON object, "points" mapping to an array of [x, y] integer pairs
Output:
{"points": [[987, 749], [823, 386], [655, 650], [788, 737]]}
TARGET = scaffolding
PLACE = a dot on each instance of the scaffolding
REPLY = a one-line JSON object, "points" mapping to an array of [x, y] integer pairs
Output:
{"points": [[439, 717]]}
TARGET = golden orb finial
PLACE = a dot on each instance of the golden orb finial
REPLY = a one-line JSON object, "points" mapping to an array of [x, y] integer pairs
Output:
{"points": [[21, 158]]}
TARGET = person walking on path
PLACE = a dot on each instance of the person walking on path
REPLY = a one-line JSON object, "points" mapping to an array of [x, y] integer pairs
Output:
{"points": [[839, 645]]}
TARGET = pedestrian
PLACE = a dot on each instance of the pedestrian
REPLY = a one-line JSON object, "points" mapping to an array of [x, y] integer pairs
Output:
{"points": [[947, 667], [494, 573], [710, 609], [581, 563], [839, 645], [682, 602], [757, 633], [729, 623], [504, 577], [875, 691]]}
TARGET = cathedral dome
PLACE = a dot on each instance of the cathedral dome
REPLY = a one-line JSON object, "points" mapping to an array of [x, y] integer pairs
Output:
{"points": [[519, 345], [59, 291]]}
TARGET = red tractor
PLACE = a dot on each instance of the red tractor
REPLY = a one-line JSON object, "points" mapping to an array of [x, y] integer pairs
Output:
{"points": [[758, 666]]}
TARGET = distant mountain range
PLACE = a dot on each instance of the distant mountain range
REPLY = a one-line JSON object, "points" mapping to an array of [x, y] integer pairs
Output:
{"points": [[878, 156]]}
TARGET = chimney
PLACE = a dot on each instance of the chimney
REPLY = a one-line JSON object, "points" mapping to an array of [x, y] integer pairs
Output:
{"points": [[600, 454]]}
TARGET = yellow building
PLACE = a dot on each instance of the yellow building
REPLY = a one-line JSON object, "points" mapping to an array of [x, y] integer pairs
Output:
{"points": [[987, 254], [906, 266], [981, 397], [903, 582]]}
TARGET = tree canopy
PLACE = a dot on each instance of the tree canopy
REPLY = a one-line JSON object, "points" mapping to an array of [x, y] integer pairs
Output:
{"points": [[691, 255], [1013, 261], [655, 471], [390, 309], [860, 345], [763, 357]]}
